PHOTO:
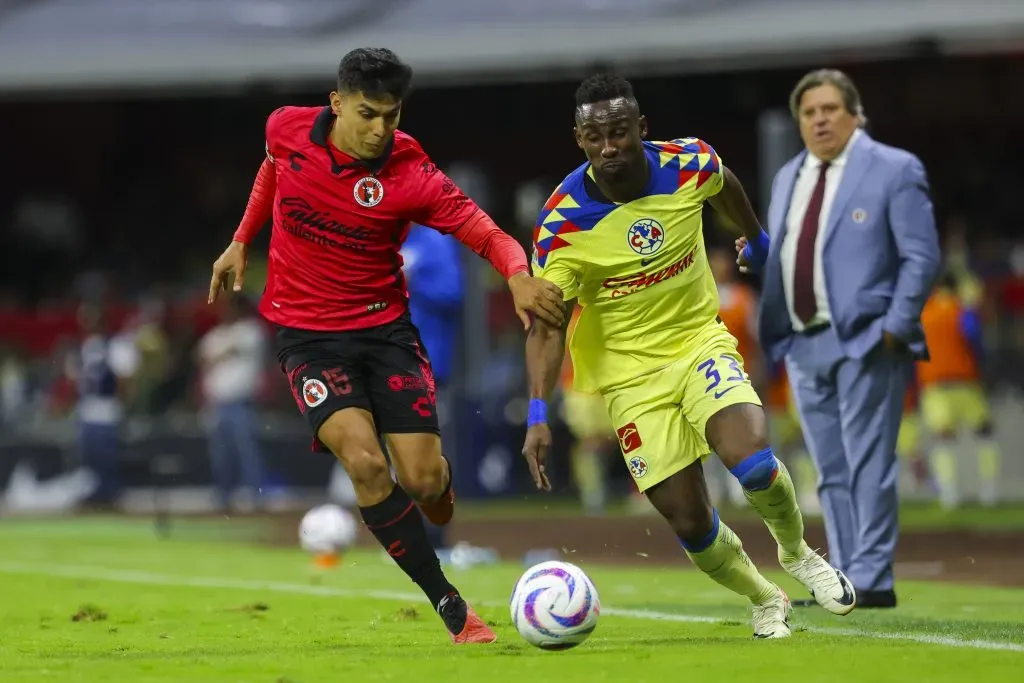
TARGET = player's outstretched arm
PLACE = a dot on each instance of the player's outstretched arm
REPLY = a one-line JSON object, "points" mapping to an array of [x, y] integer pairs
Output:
{"points": [[529, 294], [257, 212], [447, 209], [545, 351], [733, 207]]}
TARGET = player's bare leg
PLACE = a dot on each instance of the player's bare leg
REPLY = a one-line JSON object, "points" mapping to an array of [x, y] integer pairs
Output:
{"points": [[424, 473], [390, 514], [349, 434], [988, 465], [683, 500], [944, 462], [739, 435]]}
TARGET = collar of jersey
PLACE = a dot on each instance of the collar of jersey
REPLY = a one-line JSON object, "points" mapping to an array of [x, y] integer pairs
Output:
{"points": [[592, 189], [319, 134]]}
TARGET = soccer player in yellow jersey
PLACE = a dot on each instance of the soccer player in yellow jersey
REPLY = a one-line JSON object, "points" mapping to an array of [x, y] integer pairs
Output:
{"points": [[622, 235]]}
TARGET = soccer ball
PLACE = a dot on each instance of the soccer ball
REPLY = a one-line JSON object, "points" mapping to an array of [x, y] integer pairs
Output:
{"points": [[326, 531], [555, 606]]}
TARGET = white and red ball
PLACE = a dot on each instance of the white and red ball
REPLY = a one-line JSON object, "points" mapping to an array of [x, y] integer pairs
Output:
{"points": [[555, 606], [327, 529]]}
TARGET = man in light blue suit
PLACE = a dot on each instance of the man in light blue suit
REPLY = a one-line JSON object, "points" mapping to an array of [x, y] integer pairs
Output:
{"points": [[851, 260]]}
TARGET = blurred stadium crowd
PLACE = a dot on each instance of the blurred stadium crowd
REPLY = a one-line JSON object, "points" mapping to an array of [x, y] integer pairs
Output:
{"points": [[116, 207]]}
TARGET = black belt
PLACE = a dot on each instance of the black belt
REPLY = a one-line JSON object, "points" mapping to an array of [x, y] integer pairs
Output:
{"points": [[816, 330]]}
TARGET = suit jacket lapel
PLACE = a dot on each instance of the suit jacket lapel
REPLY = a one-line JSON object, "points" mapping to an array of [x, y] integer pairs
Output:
{"points": [[784, 188], [778, 211], [856, 166]]}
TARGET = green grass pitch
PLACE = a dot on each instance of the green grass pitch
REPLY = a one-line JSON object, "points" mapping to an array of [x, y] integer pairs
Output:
{"points": [[105, 600]]}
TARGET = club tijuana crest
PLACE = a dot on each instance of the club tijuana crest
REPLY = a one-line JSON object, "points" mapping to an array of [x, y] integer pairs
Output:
{"points": [[368, 191]]}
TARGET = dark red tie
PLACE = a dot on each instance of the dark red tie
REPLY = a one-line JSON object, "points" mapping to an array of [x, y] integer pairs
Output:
{"points": [[805, 305]]}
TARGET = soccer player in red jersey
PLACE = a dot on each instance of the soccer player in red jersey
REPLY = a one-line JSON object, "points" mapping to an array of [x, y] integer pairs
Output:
{"points": [[342, 185]]}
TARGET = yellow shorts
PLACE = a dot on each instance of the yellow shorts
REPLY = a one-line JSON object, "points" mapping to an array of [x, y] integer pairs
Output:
{"points": [[946, 407], [908, 441], [660, 417], [586, 415]]}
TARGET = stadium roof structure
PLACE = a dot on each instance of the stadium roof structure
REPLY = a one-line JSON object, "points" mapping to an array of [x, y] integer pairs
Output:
{"points": [[48, 45]]}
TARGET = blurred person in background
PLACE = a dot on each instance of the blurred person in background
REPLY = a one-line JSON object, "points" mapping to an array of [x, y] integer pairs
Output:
{"points": [[14, 385], [231, 357], [153, 347], [910, 440], [957, 261], [58, 387], [851, 261], [102, 368], [587, 418], [952, 395]]}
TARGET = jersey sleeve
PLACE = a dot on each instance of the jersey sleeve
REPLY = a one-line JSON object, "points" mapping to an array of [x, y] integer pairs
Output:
{"points": [[700, 168], [552, 256], [273, 133], [440, 203]]}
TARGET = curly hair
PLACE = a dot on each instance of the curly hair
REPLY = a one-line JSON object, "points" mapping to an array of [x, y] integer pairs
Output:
{"points": [[601, 87]]}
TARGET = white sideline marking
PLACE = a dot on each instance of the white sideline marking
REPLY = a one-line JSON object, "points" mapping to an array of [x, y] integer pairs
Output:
{"points": [[925, 638], [152, 578]]}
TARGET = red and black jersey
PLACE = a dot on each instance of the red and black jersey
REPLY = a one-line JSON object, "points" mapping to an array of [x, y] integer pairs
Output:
{"points": [[340, 222]]}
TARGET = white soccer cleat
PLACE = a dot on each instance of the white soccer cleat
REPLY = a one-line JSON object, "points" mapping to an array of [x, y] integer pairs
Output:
{"points": [[771, 618], [827, 585]]}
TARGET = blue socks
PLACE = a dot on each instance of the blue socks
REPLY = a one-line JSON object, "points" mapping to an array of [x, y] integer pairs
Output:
{"points": [[758, 471], [705, 542], [769, 488]]}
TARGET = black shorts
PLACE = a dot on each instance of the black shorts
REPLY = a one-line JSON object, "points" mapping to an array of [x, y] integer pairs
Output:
{"points": [[382, 369]]}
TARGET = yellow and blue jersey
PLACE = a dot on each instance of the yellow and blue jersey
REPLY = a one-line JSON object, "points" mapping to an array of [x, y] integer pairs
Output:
{"points": [[639, 269]]}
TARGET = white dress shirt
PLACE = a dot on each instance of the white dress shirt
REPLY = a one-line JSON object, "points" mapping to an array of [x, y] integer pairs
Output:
{"points": [[806, 179], [233, 354]]}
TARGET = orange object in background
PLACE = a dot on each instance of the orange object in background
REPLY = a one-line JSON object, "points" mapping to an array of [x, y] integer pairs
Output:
{"points": [[779, 393], [952, 359], [738, 310], [327, 560]]}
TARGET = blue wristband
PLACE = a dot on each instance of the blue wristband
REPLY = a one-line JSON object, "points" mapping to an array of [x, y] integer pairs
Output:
{"points": [[971, 329], [756, 253], [538, 413]]}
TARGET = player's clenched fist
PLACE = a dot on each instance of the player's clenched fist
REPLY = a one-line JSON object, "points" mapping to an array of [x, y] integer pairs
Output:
{"points": [[231, 261], [542, 298], [535, 450], [741, 257]]}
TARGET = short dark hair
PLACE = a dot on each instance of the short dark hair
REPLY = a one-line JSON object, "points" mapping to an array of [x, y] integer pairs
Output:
{"points": [[833, 77], [376, 72], [601, 87]]}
